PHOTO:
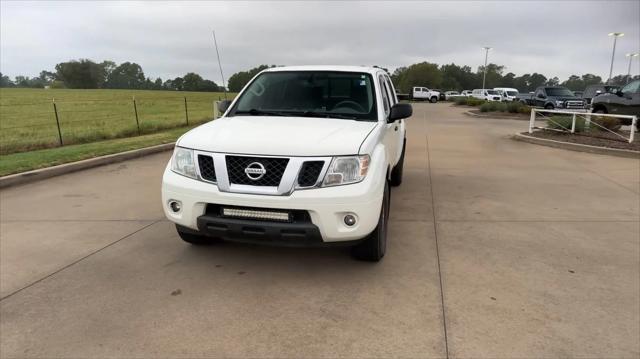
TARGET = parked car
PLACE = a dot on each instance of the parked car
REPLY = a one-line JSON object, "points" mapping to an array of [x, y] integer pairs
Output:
{"points": [[487, 95], [508, 94], [303, 156], [450, 95], [466, 93], [625, 101], [423, 93], [594, 90], [553, 97]]}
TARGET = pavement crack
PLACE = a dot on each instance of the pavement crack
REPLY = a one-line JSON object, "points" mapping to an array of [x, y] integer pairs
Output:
{"points": [[435, 233], [78, 260]]}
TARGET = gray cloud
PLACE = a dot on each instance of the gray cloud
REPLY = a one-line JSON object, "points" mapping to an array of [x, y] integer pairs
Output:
{"points": [[171, 38]]}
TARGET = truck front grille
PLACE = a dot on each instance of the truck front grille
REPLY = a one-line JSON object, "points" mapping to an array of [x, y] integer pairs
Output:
{"points": [[207, 171], [575, 104], [274, 169], [309, 173]]}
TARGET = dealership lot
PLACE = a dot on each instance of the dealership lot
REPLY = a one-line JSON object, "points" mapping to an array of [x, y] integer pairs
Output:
{"points": [[497, 248]]}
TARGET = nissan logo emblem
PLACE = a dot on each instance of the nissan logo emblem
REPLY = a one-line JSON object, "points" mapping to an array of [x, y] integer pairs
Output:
{"points": [[255, 171]]}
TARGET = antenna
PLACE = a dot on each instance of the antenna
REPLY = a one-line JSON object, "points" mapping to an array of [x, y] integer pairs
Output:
{"points": [[224, 86]]}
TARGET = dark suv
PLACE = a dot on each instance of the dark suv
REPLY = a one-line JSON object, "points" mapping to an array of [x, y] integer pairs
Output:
{"points": [[595, 90], [623, 102]]}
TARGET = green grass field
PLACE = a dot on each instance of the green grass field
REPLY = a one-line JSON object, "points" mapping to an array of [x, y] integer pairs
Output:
{"points": [[28, 122]]}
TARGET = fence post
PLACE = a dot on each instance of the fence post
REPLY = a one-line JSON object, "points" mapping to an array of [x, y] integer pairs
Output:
{"points": [[135, 110], [186, 112], [573, 124], [532, 120], [55, 110], [587, 122], [634, 122]]}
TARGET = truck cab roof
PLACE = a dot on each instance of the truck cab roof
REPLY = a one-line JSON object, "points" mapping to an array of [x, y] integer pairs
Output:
{"points": [[340, 68]]}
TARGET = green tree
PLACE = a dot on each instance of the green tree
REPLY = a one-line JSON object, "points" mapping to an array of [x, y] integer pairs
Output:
{"points": [[456, 77], [239, 79], [421, 74], [553, 81], [127, 75], [5, 81], [493, 78], [80, 74]]}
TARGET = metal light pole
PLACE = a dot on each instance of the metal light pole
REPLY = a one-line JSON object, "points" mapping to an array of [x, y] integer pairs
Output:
{"points": [[615, 35], [630, 56], [486, 56]]}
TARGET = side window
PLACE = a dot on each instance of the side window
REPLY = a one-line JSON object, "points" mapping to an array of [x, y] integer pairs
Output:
{"points": [[391, 89], [385, 97], [633, 87]]}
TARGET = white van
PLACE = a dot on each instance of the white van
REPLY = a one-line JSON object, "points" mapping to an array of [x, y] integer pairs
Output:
{"points": [[487, 95], [508, 94]]}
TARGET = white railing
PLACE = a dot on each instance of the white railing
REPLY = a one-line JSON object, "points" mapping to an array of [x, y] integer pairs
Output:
{"points": [[587, 121]]}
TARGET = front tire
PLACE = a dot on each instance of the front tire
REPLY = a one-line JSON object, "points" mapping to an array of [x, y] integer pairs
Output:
{"points": [[433, 99], [193, 237], [396, 173], [373, 248], [549, 107]]}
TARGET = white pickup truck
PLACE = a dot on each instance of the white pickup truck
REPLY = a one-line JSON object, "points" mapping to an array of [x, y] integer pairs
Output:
{"points": [[423, 93], [304, 156]]}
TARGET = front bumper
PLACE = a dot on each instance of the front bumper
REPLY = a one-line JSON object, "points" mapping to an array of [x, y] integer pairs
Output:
{"points": [[326, 207]]}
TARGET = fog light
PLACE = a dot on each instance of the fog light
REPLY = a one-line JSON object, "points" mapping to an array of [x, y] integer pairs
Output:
{"points": [[175, 206], [349, 220]]}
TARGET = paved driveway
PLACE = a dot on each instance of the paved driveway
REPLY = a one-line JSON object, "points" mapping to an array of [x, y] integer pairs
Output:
{"points": [[497, 249]]}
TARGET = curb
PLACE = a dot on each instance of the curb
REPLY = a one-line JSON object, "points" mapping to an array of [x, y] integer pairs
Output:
{"points": [[471, 114], [48, 172], [577, 147]]}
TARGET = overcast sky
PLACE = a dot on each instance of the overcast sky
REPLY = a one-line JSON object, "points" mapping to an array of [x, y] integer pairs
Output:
{"points": [[169, 39]]}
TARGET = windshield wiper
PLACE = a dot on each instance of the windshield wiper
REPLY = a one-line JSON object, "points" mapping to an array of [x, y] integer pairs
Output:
{"points": [[327, 115], [256, 112]]}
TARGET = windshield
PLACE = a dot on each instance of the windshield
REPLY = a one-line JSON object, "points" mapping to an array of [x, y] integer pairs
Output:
{"points": [[558, 91], [512, 93], [611, 89], [492, 92], [633, 87], [346, 95]]}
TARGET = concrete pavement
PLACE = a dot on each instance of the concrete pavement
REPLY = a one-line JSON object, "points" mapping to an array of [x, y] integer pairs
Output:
{"points": [[497, 249]]}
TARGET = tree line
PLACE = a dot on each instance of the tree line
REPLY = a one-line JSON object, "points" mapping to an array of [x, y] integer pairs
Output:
{"points": [[86, 74], [455, 77]]}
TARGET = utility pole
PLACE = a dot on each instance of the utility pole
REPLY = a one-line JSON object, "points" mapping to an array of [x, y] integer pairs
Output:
{"points": [[615, 35], [630, 56], [486, 56]]}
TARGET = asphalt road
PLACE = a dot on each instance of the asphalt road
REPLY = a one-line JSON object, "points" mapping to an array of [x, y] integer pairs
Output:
{"points": [[497, 248]]}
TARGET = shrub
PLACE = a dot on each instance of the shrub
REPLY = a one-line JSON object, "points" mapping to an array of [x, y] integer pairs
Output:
{"points": [[468, 101], [610, 123], [493, 107], [564, 123]]}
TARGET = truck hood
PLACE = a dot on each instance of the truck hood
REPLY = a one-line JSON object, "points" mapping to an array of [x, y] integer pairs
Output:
{"points": [[567, 98], [279, 136]]}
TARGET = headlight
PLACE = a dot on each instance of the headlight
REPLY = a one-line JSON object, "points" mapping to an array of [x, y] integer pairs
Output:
{"points": [[345, 170], [559, 103], [182, 162]]}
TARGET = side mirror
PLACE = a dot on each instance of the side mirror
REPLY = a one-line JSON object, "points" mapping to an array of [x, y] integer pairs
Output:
{"points": [[223, 106], [619, 93], [400, 111], [541, 95]]}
